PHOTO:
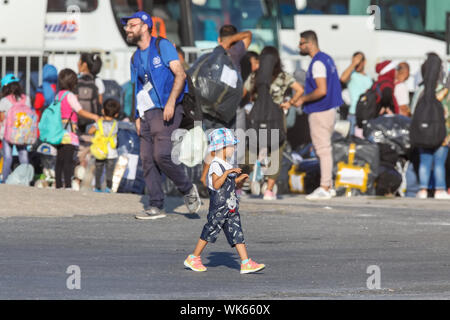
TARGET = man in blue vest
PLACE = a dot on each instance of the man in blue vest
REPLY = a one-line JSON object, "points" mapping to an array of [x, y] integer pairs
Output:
{"points": [[323, 94], [159, 86]]}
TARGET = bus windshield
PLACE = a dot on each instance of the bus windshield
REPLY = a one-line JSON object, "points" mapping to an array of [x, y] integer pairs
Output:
{"points": [[423, 17], [165, 13], [258, 16]]}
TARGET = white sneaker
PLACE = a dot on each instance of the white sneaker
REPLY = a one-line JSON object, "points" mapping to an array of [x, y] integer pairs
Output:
{"points": [[76, 185], [441, 195], [319, 194], [422, 195], [333, 193]]}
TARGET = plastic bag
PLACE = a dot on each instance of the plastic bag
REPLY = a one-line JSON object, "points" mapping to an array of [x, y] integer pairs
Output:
{"points": [[22, 176], [193, 147], [392, 130], [132, 178]]}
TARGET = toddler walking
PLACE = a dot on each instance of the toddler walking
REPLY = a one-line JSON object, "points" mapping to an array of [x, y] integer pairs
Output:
{"points": [[224, 206]]}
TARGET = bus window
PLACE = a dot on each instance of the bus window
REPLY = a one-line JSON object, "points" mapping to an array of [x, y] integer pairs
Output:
{"points": [[287, 9], [165, 15], [255, 15], [423, 17], [63, 6], [326, 7]]}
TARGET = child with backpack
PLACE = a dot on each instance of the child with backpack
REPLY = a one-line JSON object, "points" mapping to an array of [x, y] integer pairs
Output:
{"points": [[224, 205], [18, 123], [58, 126], [46, 93], [104, 144]]}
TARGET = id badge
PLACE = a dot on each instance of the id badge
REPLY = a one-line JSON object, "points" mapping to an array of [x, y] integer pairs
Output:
{"points": [[148, 86]]}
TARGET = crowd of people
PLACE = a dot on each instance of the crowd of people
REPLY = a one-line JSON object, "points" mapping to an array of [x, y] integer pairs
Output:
{"points": [[71, 114], [323, 95]]}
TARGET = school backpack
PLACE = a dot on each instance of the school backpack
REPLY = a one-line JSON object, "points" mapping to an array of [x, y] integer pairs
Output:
{"points": [[368, 106], [51, 127], [87, 92], [99, 146], [21, 123]]}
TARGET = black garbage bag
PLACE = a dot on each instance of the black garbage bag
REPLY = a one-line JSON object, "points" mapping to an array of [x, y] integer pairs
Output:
{"points": [[393, 130], [356, 166], [218, 85]]}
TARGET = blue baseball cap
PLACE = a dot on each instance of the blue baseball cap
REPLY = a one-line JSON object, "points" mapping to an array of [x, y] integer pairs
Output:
{"points": [[144, 16], [8, 79]]}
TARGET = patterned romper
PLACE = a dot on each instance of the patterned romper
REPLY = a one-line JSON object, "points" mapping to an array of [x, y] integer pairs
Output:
{"points": [[224, 214]]}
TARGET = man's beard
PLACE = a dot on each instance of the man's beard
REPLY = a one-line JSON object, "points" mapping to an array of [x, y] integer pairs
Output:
{"points": [[304, 53], [133, 39]]}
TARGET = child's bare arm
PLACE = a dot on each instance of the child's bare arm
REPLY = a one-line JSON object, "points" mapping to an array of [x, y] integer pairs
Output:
{"points": [[92, 130], [240, 180], [219, 181]]}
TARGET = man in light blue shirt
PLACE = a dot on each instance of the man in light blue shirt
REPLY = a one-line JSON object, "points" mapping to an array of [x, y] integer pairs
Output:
{"points": [[357, 83]]}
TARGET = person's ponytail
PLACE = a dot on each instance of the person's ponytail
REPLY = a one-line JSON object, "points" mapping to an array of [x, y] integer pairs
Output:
{"points": [[96, 64], [93, 61]]}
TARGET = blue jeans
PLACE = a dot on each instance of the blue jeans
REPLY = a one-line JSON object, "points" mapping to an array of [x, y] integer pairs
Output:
{"points": [[352, 119], [8, 157], [433, 160], [412, 182]]}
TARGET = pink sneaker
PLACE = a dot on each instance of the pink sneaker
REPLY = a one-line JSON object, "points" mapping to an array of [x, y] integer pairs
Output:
{"points": [[251, 267], [269, 196], [195, 264]]}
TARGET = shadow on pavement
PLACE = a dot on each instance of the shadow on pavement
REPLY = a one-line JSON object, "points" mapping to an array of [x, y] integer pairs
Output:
{"points": [[227, 259]]}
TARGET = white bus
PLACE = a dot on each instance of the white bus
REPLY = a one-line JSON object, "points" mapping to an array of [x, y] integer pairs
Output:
{"points": [[32, 31]]}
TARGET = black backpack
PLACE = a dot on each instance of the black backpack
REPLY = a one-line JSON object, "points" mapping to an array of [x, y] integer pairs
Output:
{"points": [[428, 125], [87, 92], [428, 128], [192, 111], [368, 107]]}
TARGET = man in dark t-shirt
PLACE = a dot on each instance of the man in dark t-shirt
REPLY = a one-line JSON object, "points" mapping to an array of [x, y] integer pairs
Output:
{"points": [[236, 44]]}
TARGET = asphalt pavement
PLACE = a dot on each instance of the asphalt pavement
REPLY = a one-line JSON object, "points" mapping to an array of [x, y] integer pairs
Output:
{"points": [[69, 245]]}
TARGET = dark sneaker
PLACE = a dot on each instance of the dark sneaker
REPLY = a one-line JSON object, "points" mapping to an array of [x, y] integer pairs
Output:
{"points": [[151, 214], [192, 200]]}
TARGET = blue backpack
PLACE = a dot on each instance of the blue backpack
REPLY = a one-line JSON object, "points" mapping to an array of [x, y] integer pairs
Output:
{"points": [[51, 127]]}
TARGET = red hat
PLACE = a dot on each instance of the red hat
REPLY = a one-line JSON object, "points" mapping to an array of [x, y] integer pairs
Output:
{"points": [[385, 67]]}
